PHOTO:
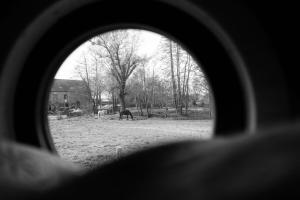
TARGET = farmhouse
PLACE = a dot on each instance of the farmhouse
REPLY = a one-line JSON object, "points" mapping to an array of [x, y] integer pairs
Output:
{"points": [[71, 92]]}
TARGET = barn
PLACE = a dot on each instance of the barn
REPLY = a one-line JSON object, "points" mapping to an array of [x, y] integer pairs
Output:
{"points": [[68, 92]]}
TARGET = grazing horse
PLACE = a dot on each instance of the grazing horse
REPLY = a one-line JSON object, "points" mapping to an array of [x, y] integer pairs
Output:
{"points": [[125, 112]]}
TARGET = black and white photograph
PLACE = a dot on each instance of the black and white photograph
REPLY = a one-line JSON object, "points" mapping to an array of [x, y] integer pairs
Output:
{"points": [[124, 91], [152, 99]]}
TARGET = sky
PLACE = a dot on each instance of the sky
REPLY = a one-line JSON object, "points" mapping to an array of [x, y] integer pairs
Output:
{"points": [[149, 43]]}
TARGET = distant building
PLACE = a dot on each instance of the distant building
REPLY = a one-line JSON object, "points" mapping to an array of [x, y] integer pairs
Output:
{"points": [[68, 91]]}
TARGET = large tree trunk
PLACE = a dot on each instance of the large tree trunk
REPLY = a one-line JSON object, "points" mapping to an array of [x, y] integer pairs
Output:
{"points": [[122, 100], [113, 101], [122, 95], [172, 74]]}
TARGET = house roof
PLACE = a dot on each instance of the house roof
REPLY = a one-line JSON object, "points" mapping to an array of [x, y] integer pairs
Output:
{"points": [[66, 85]]}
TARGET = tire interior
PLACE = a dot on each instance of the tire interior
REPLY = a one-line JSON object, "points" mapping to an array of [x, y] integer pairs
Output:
{"points": [[216, 34]]}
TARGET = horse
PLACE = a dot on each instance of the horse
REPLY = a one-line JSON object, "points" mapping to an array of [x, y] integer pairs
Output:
{"points": [[101, 113], [125, 112]]}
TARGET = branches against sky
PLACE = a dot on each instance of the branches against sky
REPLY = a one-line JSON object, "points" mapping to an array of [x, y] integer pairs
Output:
{"points": [[120, 58]]}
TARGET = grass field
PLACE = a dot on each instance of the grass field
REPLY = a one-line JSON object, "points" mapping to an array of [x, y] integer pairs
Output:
{"points": [[90, 142]]}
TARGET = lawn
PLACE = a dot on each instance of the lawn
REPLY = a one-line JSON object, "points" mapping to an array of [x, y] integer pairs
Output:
{"points": [[89, 142]]}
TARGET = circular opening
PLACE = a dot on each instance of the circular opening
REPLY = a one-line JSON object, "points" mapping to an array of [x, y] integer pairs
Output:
{"points": [[45, 53], [126, 90]]}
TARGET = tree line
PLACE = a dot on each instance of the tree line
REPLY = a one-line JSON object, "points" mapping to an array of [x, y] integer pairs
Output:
{"points": [[114, 66]]}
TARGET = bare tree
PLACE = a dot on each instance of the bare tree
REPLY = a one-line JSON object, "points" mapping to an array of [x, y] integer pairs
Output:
{"points": [[83, 70], [179, 109], [136, 87], [111, 86], [201, 84], [186, 79], [98, 84], [89, 70], [152, 91], [131, 76], [187, 84], [172, 73], [119, 50]]}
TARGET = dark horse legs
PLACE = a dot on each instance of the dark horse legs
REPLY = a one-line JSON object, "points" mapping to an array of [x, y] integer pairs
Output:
{"points": [[125, 112]]}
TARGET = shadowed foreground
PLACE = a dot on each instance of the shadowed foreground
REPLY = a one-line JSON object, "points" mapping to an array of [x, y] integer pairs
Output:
{"points": [[89, 141]]}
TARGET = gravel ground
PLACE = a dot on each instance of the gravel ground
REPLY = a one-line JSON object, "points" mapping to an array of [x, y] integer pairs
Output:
{"points": [[90, 142]]}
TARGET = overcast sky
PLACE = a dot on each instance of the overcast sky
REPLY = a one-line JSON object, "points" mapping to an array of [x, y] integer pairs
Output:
{"points": [[148, 46]]}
